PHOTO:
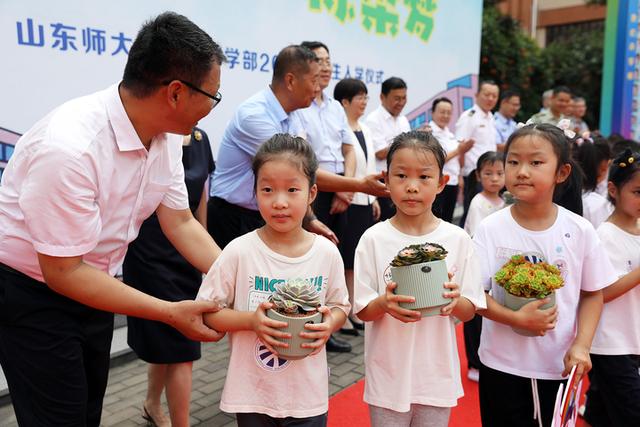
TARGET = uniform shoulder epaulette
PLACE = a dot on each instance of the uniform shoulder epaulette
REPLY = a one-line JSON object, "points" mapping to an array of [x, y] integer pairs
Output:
{"points": [[472, 112]]}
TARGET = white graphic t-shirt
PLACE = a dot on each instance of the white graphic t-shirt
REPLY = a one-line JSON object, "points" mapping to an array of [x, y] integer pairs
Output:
{"points": [[243, 276], [572, 245], [416, 362]]}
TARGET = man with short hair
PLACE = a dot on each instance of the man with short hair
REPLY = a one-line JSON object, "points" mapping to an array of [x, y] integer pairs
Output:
{"points": [[504, 117], [295, 82], [73, 196], [558, 107], [546, 99], [477, 124], [386, 122], [579, 110]]}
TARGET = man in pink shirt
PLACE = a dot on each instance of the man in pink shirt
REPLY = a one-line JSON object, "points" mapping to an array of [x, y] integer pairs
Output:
{"points": [[73, 196]]}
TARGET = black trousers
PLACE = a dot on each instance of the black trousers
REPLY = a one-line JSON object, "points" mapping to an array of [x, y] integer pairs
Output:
{"points": [[261, 420], [387, 208], [613, 398], [472, 330], [507, 400], [226, 221], [336, 222], [54, 352], [471, 187], [445, 203]]}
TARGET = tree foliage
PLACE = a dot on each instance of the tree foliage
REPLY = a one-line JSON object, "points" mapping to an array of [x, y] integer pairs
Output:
{"points": [[514, 61]]}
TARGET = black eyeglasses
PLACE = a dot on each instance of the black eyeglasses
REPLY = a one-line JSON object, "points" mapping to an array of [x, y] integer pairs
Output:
{"points": [[216, 98]]}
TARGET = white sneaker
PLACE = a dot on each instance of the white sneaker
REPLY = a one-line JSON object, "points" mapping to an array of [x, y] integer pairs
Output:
{"points": [[473, 374]]}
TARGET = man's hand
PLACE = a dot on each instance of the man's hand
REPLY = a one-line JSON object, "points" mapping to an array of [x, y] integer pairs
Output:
{"points": [[376, 210], [532, 318], [577, 355], [186, 317], [318, 227], [466, 145], [340, 204], [267, 329], [371, 184]]}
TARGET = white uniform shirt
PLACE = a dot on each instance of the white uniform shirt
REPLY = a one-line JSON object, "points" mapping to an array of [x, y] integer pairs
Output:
{"points": [[365, 165], [384, 127], [595, 208], [477, 125], [618, 331], [417, 362], [243, 276], [80, 182], [448, 141], [572, 245], [479, 209]]}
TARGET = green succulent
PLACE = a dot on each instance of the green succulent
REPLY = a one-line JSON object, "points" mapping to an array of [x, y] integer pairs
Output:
{"points": [[296, 296], [416, 254], [522, 278]]}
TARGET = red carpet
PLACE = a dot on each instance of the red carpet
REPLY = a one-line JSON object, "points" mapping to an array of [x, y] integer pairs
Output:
{"points": [[346, 409]]}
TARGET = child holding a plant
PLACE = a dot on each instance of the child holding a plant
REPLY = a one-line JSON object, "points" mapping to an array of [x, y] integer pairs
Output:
{"points": [[527, 370], [411, 362], [614, 393], [262, 388]]}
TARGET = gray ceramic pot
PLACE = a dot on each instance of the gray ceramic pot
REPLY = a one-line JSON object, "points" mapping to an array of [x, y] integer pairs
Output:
{"points": [[295, 326], [515, 303], [425, 282]]}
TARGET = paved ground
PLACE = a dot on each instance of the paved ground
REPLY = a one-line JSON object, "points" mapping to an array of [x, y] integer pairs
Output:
{"points": [[128, 380]]}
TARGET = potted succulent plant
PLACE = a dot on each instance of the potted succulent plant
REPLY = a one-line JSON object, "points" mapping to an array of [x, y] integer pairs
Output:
{"points": [[295, 302], [524, 282], [420, 271]]}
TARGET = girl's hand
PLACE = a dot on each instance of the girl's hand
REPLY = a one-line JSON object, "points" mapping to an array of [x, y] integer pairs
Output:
{"points": [[320, 331], [531, 317], [390, 305], [577, 355], [268, 329], [454, 294]]}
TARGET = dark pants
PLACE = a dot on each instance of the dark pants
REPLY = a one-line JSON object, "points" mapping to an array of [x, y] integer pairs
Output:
{"points": [[387, 208], [54, 353], [471, 187], [613, 398], [472, 330], [336, 222], [445, 203], [262, 420], [226, 221], [507, 400]]}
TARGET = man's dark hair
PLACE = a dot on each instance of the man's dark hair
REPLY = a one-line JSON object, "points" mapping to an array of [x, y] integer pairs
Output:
{"points": [[561, 89], [508, 94], [438, 101], [292, 59], [169, 47], [392, 83], [348, 88], [314, 45], [486, 82]]}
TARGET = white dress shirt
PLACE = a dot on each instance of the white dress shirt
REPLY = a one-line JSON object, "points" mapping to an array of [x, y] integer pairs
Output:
{"points": [[448, 141], [477, 125], [80, 183], [384, 127]]}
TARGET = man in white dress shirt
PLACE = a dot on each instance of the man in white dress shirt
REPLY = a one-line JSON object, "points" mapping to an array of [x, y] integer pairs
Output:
{"points": [[73, 196], [386, 122]]}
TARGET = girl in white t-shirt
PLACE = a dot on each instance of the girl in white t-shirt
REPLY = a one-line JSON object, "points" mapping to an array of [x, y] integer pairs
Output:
{"points": [[411, 363], [490, 173], [593, 156], [520, 375], [614, 393], [261, 388]]}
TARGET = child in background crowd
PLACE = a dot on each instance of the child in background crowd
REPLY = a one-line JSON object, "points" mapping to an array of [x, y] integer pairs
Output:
{"points": [[593, 158], [412, 366], [614, 392], [529, 369], [490, 174], [262, 389]]}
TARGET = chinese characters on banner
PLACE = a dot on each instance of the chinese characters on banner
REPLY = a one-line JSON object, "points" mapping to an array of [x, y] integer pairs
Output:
{"points": [[69, 38]]}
